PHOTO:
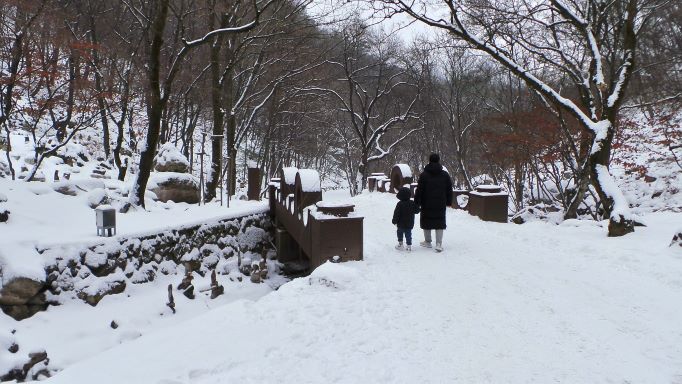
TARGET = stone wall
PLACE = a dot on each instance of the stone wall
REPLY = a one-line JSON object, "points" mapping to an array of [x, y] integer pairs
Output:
{"points": [[92, 272]]}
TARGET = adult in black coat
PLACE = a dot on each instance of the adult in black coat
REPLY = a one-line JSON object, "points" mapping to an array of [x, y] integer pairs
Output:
{"points": [[433, 195]]}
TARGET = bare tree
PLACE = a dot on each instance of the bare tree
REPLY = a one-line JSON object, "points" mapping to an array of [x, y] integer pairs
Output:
{"points": [[461, 98], [153, 17], [377, 100], [16, 20], [591, 44]]}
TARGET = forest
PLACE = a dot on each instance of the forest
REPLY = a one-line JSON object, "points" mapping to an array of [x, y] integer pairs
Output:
{"points": [[530, 95], [198, 191]]}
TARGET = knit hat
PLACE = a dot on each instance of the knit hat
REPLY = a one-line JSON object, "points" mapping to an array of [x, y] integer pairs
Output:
{"points": [[434, 158], [404, 193]]}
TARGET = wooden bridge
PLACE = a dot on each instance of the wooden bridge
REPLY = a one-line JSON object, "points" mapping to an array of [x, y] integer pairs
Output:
{"points": [[310, 232], [487, 202]]}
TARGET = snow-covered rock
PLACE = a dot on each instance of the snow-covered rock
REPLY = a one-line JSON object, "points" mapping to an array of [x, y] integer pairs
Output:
{"points": [[4, 170], [4, 215], [97, 197], [76, 187], [176, 187], [93, 289], [170, 159], [539, 212], [22, 297], [677, 239], [253, 239]]}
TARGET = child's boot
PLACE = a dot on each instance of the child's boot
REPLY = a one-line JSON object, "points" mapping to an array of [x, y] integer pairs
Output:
{"points": [[409, 248], [399, 246]]}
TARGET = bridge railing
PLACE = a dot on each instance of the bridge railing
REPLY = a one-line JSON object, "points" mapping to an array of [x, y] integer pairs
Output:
{"points": [[488, 202], [309, 231]]}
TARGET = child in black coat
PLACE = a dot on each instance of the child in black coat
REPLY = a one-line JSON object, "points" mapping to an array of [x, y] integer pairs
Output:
{"points": [[403, 217]]}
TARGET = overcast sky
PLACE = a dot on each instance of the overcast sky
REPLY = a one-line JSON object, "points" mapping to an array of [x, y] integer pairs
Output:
{"points": [[402, 25]]}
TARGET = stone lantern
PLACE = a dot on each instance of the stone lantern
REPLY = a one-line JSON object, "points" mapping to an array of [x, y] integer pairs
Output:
{"points": [[106, 220]]}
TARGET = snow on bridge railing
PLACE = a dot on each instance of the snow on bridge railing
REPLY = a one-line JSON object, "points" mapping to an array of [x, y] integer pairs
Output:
{"points": [[488, 202], [310, 232]]}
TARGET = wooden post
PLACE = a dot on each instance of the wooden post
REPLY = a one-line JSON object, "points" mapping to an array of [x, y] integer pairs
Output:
{"points": [[201, 168], [253, 192]]}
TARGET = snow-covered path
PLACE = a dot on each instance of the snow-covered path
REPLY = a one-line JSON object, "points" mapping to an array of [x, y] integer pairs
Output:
{"points": [[502, 303]]}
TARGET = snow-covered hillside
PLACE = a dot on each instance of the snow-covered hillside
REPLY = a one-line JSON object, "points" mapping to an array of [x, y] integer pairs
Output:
{"points": [[503, 303], [646, 168]]}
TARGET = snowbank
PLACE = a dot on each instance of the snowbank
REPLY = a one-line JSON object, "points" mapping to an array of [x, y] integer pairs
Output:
{"points": [[502, 303]]}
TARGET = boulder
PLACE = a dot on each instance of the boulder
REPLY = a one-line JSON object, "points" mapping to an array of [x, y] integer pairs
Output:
{"points": [[94, 296], [4, 170], [66, 189], [19, 291], [620, 227], [176, 187], [20, 312], [4, 216], [253, 239], [101, 265], [35, 368], [170, 159], [75, 187], [38, 176], [97, 197], [22, 298], [538, 212]]}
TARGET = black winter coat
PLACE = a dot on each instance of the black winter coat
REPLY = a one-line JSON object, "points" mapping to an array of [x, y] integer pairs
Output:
{"points": [[433, 195], [403, 215]]}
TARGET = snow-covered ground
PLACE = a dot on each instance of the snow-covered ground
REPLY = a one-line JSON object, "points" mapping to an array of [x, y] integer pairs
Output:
{"points": [[503, 303], [75, 331], [40, 217]]}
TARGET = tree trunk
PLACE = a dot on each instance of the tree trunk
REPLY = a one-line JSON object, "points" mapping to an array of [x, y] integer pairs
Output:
{"points": [[7, 151], [154, 106], [102, 114], [582, 180], [117, 151], [363, 169], [99, 88], [612, 200], [232, 170], [218, 121], [16, 54], [462, 167], [122, 168], [231, 133], [518, 185]]}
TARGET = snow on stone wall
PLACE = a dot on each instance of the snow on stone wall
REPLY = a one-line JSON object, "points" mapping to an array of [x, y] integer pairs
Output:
{"points": [[92, 272]]}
